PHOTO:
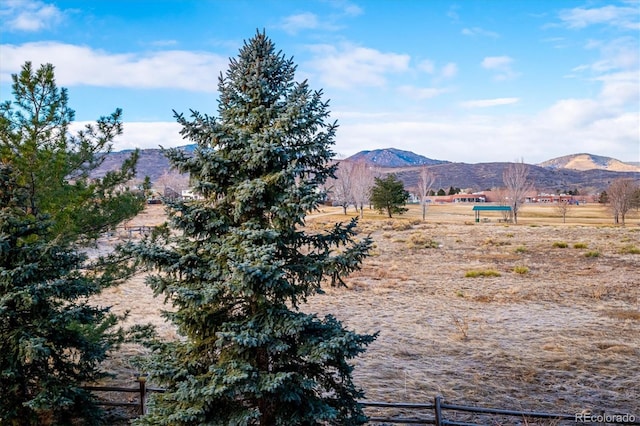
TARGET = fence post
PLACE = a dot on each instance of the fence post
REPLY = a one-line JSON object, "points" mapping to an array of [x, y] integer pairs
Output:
{"points": [[438, 410], [142, 380]]}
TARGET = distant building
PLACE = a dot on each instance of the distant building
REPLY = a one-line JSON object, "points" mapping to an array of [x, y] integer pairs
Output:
{"points": [[188, 194], [496, 197], [170, 193]]}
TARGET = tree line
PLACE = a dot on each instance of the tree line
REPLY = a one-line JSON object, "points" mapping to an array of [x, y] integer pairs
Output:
{"points": [[360, 184]]}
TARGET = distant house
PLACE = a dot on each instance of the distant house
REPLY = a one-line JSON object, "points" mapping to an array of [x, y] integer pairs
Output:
{"points": [[469, 198], [170, 193], [496, 197], [560, 198], [188, 194], [477, 197]]}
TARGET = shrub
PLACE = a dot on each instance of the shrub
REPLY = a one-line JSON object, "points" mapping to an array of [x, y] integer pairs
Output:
{"points": [[419, 241], [401, 225], [592, 254], [492, 242], [630, 249], [521, 269], [482, 273], [521, 249], [560, 244], [580, 245]]}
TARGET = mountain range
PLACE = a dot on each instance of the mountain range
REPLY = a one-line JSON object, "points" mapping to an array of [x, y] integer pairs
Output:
{"points": [[589, 162], [392, 157], [586, 172]]}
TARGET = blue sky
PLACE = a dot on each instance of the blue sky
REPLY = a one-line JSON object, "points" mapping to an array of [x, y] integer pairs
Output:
{"points": [[466, 81]]}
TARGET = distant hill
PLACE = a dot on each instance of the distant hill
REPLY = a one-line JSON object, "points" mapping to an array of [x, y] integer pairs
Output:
{"points": [[391, 157], [551, 176], [589, 162], [152, 163], [484, 176]]}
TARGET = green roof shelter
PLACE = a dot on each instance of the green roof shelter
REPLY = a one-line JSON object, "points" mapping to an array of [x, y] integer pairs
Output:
{"points": [[478, 209]]}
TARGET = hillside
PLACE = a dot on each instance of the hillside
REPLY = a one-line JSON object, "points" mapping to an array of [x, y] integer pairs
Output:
{"points": [[152, 163], [391, 157], [585, 161], [483, 176], [553, 176]]}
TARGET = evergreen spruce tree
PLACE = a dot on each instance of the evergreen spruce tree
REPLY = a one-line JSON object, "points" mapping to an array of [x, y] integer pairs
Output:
{"points": [[55, 165], [51, 340], [238, 264], [388, 194]]}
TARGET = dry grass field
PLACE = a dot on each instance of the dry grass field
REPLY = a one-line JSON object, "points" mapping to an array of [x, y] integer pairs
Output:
{"points": [[542, 315]]}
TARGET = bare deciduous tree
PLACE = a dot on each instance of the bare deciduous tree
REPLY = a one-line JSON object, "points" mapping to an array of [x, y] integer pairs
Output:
{"points": [[621, 194], [563, 207], [502, 197], [341, 187], [171, 180], [362, 180], [426, 179], [517, 183]]}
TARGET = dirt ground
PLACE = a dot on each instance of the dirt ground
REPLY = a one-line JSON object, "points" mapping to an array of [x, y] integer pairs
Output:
{"points": [[538, 316]]}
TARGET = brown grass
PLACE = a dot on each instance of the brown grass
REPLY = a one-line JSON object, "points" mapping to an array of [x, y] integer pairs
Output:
{"points": [[563, 337]]}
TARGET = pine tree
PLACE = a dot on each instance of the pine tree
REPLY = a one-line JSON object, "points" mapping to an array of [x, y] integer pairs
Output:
{"points": [[51, 340], [388, 194], [238, 265], [55, 166]]}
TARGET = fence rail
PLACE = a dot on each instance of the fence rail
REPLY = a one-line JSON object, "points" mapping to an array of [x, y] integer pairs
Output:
{"points": [[421, 413]]}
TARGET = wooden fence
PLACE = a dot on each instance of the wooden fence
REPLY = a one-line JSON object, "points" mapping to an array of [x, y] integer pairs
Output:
{"points": [[139, 229], [439, 413]]}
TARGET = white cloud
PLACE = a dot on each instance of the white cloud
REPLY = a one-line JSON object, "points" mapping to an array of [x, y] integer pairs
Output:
{"points": [[477, 31], [616, 16], [493, 138], [293, 24], [427, 66], [450, 70], [618, 69], [496, 62], [501, 65], [484, 103], [573, 113], [606, 124], [547, 135], [27, 15], [79, 65], [618, 54], [620, 89], [164, 43], [143, 135], [421, 92], [353, 10], [346, 7], [557, 42], [452, 13], [347, 65], [303, 21]]}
